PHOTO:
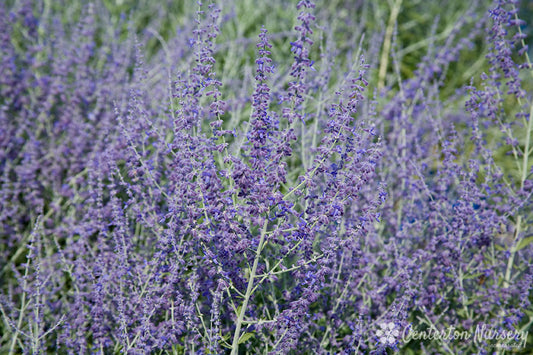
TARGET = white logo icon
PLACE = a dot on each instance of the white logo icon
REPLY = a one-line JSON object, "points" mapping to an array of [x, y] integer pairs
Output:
{"points": [[388, 333]]}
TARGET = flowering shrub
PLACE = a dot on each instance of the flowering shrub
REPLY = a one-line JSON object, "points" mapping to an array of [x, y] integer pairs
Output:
{"points": [[296, 208]]}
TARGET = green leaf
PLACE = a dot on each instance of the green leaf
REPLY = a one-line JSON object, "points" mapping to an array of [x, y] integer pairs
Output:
{"points": [[529, 313], [245, 337], [524, 243], [500, 247], [224, 337], [225, 345], [472, 276]]}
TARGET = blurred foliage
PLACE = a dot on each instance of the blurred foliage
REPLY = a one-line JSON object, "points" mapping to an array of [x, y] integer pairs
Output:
{"points": [[421, 26]]}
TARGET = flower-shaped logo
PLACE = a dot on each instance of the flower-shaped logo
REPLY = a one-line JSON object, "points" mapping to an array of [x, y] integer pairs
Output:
{"points": [[388, 333]]}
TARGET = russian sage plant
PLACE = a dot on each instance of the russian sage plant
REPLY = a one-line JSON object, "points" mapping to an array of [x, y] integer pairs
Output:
{"points": [[313, 201]]}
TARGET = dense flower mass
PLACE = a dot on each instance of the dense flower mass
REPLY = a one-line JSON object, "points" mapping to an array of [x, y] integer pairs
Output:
{"points": [[211, 197]]}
